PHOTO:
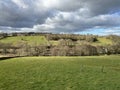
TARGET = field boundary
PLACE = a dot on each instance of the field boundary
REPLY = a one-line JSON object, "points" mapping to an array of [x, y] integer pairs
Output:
{"points": [[5, 58]]}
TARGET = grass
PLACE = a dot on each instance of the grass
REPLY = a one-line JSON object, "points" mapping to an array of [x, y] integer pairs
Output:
{"points": [[29, 39], [60, 73], [54, 42], [103, 41]]}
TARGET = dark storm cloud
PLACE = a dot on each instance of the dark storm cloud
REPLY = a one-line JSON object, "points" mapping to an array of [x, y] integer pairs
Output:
{"points": [[59, 15], [14, 15]]}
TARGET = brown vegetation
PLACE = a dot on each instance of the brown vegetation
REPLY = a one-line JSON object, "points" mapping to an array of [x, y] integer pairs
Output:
{"points": [[67, 46]]}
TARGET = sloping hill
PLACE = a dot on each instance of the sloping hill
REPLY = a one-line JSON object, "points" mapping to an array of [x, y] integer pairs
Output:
{"points": [[37, 40], [28, 39], [103, 41]]}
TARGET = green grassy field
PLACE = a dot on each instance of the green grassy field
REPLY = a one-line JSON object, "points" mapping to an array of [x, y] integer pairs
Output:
{"points": [[29, 39], [103, 41], [60, 73]]}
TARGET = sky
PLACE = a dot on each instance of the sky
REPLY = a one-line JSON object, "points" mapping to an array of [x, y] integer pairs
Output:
{"points": [[101, 17]]}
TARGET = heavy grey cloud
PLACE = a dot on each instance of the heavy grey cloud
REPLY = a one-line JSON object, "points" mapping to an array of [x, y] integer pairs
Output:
{"points": [[58, 15], [19, 13]]}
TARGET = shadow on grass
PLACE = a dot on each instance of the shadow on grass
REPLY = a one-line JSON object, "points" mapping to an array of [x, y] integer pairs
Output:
{"points": [[5, 58]]}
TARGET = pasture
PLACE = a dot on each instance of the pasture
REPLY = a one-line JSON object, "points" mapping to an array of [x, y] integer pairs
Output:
{"points": [[31, 40], [60, 73]]}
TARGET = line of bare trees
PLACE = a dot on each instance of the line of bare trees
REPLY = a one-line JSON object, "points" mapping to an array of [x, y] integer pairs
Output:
{"points": [[88, 38], [68, 49], [27, 50]]}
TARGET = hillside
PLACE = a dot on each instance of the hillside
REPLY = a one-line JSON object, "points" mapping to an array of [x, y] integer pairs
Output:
{"points": [[103, 41], [36, 44], [43, 40], [28, 39]]}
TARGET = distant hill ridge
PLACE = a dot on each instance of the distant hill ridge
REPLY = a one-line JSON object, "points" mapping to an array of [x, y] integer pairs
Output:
{"points": [[48, 44]]}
